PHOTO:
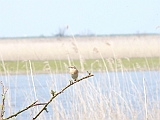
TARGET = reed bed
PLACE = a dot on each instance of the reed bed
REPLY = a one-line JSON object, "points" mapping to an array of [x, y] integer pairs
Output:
{"points": [[115, 92], [108, 95]]}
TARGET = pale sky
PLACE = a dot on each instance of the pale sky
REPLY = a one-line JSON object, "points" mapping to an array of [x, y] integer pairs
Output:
{"points": [[21, 18]]}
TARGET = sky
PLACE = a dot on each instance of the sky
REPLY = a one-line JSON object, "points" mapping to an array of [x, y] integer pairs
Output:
{"points": [[24, 18]]}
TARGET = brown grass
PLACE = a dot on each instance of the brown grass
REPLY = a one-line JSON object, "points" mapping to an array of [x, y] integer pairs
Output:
{"points": [[58, 48]]}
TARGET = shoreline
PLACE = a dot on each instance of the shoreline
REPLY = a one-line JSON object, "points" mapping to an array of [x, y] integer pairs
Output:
{"points": [[94, 65], [53, 72]]}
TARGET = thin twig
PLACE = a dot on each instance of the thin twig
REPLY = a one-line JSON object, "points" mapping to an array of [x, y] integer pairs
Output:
{"points": [[14, 115], [3, 99], [39, 104], [56, 94]]}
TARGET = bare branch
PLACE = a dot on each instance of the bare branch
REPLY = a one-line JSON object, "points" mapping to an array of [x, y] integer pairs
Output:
{"points": [[56, 94], [14, 115]]}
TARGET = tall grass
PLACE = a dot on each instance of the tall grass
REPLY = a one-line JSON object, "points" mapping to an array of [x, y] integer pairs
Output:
{"points": [[109, 95], [114, 93]]}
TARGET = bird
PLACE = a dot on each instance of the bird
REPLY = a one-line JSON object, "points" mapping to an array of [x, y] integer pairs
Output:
{"points": [[74, 72]]}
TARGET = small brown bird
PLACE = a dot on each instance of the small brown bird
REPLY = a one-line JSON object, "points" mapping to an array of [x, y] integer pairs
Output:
{"points": [[73, 72]]}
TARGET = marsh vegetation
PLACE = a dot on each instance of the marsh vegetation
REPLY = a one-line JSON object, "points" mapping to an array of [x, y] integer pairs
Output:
{"points": [[121, 88]]}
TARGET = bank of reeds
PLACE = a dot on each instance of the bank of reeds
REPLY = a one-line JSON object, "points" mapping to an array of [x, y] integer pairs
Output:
{"points": [[105, 96], [112, 94]]}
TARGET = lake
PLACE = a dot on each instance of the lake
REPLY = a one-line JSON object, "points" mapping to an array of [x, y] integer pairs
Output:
{"points": [[127, 89]]}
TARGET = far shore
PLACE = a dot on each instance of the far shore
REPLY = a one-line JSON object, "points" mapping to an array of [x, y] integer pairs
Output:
{"points": [[96, 47], [91, 65]]}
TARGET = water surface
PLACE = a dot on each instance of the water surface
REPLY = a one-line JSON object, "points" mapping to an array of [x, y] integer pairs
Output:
{"points": [[25, 89]]}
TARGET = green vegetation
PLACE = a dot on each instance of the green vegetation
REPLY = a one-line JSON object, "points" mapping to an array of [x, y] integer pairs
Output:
{"points": [[108, 64]]}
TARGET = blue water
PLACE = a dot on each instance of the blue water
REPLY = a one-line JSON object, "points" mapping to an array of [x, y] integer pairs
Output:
{"points": [[21, 90]]}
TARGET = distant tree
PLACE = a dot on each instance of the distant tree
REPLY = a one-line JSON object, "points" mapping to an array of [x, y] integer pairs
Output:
{"points": [[61, 32]]}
